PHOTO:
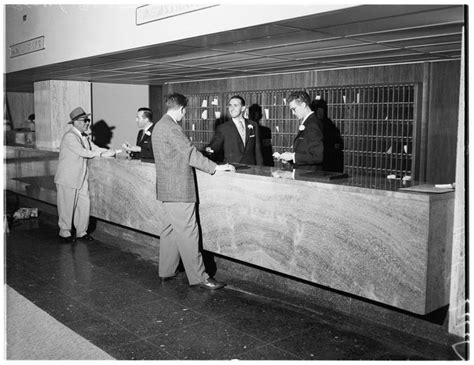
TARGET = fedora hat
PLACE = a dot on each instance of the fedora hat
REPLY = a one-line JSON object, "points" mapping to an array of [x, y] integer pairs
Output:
{"points": [[77, 114]]}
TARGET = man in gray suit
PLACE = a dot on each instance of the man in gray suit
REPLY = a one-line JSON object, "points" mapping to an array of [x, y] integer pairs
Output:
{"points": [[175, 160], [71, 177]]}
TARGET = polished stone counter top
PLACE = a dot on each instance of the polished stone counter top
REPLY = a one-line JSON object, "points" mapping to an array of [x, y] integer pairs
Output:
{"points": [[389, 246]]}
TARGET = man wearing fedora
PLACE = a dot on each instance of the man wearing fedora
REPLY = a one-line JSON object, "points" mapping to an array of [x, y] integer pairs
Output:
{"points": [[71, 177]]}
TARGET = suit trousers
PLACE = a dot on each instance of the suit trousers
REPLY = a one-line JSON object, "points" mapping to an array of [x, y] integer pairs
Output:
{"points": [[73, 207], [180, 238]]}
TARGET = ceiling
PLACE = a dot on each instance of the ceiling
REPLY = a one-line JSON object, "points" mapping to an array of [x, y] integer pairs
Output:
{"points": [[352, 37]]}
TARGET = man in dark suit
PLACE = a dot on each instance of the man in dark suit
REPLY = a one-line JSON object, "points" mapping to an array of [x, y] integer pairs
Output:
{"points": [[143, 148], [238, 138], [308, 147], [175, 160]]}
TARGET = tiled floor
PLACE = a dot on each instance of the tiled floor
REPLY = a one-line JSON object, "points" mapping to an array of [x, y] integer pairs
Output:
{"points": [[115, 300]]}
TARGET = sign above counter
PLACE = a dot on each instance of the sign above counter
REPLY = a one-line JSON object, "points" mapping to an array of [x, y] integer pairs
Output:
{"points": [[150, 13]]}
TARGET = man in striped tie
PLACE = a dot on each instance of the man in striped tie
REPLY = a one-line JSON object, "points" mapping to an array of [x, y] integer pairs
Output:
{"points": [[238, 138]]}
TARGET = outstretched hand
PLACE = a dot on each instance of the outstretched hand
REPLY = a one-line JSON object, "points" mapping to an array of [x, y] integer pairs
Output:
{"points": [[129, 148], [109, 153], [226, 167]]}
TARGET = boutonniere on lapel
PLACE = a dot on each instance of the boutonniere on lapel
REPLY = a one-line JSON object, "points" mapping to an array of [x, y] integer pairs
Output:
{"points": [[148, 133], [250, 127], [302, 127]]}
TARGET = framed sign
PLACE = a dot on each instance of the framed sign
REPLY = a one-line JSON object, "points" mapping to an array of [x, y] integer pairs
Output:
{"points": [[32, 45], [151, 13]]}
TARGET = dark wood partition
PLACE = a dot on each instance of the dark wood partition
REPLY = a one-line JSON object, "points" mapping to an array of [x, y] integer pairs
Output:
{"points": [[395, 120]]}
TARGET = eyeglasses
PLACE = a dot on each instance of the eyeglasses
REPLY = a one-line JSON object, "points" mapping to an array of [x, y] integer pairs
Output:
{"points": [[87, 120]]}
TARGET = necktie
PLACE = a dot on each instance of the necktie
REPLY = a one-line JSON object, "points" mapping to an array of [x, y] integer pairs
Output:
{"points": [[87, 139], [242, 131]]}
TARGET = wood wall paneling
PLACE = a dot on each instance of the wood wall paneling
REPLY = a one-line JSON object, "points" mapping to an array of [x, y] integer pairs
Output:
{"points": [[156, 101], [369, 75], [281, 81], [437, 108], [443, 122]]}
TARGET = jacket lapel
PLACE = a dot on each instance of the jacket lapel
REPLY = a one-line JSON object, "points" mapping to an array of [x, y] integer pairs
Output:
{"points": [[81, 140], [297, 136], [139, 137], [248, 131]]}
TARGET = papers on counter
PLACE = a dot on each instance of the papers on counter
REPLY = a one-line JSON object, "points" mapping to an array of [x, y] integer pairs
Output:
{"points": [[427, 188]]}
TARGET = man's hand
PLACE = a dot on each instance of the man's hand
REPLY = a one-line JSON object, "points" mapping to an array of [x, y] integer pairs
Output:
{"points": [[108, 153], [129, 148], [287, 156], [226, 167], [209, 150]]}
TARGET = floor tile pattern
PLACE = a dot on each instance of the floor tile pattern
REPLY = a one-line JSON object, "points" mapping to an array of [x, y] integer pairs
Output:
{"points": [[114, 299]]}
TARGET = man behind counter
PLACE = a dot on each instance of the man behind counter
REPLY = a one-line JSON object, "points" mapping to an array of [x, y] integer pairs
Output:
{"points": [[239, 138], [308, 146], [143, 148]]}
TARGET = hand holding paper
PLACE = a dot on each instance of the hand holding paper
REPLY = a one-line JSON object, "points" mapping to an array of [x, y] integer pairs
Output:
{"points": [[287, 156]]}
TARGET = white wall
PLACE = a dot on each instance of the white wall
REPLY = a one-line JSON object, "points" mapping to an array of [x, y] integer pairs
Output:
{"points": [[117, 105]]}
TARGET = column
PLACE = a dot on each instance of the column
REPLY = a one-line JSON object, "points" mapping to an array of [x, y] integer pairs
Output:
{"points": [[54, 100]]}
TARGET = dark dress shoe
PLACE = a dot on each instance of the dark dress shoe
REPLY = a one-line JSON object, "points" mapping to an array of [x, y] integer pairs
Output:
{"points": [[86, 237], [211, 284], [164, 279], [65, 240]]}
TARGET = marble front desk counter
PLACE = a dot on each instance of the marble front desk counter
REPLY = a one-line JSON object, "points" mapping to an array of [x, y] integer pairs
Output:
{"points": [[388, 246]]}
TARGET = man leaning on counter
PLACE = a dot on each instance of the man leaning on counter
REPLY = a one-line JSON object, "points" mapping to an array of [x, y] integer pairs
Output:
{"points": [[175, 160]]}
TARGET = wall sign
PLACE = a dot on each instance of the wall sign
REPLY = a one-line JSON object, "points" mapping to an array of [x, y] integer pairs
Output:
{"points": [[32, 45], [150, 13]]}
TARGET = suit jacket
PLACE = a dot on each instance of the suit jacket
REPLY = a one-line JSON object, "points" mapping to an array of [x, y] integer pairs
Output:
{"points": [[73, 156], [175, 160], [227, 138], [308, 145], [144, 141]]}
